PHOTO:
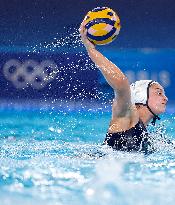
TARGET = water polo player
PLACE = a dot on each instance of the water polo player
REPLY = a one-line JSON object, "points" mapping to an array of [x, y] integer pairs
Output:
{"points": [[133, 106]]}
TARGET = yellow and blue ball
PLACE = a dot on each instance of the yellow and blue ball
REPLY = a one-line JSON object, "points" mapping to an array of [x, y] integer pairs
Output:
{"points": [[102, 24]]}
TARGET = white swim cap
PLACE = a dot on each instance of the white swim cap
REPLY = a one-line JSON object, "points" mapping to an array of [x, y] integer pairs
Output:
{"points": [[140, 95], [140, 91]]}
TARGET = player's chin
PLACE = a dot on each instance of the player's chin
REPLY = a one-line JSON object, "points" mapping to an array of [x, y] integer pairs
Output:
{"points": [[161, 109]]}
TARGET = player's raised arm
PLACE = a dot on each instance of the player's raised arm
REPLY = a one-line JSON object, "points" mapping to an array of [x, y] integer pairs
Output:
{"points": [[114, 76]]}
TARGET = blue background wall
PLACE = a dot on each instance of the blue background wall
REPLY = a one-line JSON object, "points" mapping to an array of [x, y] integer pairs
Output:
{"points": [[146, 23], [145, 47]]}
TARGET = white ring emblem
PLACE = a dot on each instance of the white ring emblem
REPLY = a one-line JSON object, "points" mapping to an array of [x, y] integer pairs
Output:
{"points": [[30, 73]]}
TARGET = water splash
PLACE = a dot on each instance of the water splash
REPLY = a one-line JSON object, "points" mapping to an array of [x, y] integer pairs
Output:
{"points": [[131, 179]]}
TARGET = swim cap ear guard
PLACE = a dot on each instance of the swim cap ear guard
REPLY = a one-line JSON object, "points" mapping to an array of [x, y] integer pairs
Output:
{"points": [[140, 95]]}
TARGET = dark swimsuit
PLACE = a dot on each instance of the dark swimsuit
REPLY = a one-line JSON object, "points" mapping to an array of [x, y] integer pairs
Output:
{"points": [[135, 139]]}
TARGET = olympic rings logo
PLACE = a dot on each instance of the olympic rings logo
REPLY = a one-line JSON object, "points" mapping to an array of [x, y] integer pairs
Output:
{"points": [[30, 73]]}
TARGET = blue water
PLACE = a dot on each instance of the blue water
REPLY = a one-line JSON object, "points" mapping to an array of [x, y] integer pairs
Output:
{"points": [[53, 155]]}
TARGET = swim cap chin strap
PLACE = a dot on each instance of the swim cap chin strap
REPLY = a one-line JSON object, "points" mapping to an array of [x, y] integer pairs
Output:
{"points": [[156, 117]]}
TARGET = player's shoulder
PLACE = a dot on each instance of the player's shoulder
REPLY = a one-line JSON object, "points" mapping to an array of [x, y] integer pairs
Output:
{"points": [[125, 121]]}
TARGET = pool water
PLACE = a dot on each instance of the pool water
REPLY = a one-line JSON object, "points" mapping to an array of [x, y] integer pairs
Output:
{"points": [[55, 157]]}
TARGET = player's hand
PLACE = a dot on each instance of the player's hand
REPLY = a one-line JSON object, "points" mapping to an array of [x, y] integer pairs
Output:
{"points": [[83, 34]]}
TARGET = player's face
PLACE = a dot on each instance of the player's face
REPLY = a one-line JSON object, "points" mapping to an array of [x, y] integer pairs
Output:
{"points": [[157, 99]]}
